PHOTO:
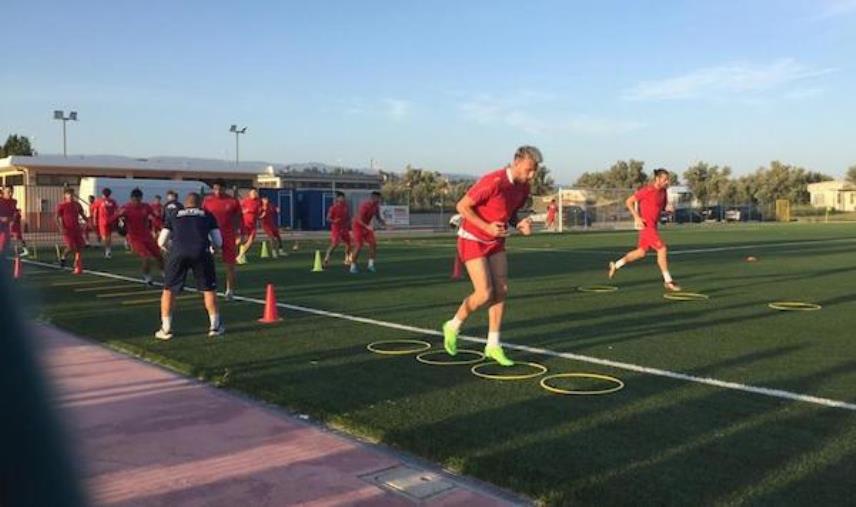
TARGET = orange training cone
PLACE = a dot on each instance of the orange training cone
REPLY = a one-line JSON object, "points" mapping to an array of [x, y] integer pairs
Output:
{"points": [[271, 315], [17, 271], [456, 269], [78, 265]]}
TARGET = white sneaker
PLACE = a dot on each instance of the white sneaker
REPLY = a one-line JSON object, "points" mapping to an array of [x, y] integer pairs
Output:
{"points": [[218, 331], [148, 280], [372, 268], [108, 254], [354, 268], [229, 295], [162, 334]]}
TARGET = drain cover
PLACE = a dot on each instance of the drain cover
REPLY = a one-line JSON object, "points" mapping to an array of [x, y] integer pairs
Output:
{"points": [[411, 482]]}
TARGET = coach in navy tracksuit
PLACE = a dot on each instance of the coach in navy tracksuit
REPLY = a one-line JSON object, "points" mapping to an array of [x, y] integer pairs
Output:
{"points": [[189, 234], [172, 205]]}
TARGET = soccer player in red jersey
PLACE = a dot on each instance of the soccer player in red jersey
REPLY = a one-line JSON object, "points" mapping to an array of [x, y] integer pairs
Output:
{"points": [[69, 214], [651, 200], [8, 207], [552, 210], [105, 209], [91, 226], [339, 217], [251, 207], [269, 217], [488, 209], [364, 232], [157, 211], [227, 211], [138, 217], [16, 232]]}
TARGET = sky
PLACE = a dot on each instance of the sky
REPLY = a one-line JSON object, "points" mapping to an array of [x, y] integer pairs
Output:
{"points": [[453, 86]]}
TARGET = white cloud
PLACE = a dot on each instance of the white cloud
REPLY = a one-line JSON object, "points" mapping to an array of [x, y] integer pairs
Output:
{"points": [[536, 113], [725, 80]]}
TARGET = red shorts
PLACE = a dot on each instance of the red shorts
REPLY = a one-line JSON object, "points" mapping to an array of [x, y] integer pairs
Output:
{"points": [[230, 250], [104, 230], [248, 229], [17, 233], [469, 249], [73, 239], [649, 238], [338, 235], [363, 235], [4, 239], [271, 231], [144, 246]]}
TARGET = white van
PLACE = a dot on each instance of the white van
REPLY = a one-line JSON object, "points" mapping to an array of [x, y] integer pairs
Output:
{"points": [[121, 188]]}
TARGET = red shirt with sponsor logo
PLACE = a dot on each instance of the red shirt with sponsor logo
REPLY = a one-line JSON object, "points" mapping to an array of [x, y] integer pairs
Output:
{"points": [[136, 218], [226, 210], [368, 210], [105, 208], [495, 199], [7, 212], [652, 202], [339, 216], [69, 213], [269, 216], [250, 209]]}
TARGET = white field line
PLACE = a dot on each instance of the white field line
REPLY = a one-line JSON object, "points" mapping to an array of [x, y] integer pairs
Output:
{"points": [[737, 386]]}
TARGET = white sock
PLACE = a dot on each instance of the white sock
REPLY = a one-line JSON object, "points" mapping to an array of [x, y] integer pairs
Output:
{"points": [[215, 320], [620, 263], [371, 263], [493, 339], [108, 250], [166, 323], [667, 277], [455, 323]]}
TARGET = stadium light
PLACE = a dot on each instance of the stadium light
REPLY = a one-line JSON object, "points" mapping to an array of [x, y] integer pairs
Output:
{"points": [[235, 130], [60, 115]]}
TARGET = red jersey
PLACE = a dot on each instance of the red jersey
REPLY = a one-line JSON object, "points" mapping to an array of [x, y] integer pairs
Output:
{"points": [[495, 199], [552, 209], [652, 202], [105, 209], [250, 208], [368, 210], [7, 212], [269, 216], [157, 209], [226, 210], [136, 218], [339, 216], [69, 212]]}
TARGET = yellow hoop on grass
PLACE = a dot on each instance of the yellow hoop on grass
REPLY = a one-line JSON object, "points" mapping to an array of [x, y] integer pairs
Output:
{"points": [[540, 370], [597, 288], [619, 385], [794, 306], [685, 296], [423, 358], [421, 346]]}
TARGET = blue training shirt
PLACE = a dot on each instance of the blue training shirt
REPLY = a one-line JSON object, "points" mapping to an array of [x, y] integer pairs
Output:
{"points": [[190, 228]]}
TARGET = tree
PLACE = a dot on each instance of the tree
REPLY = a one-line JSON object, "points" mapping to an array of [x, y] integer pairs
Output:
{"points": [[16, 146], [783, 181], [622, 174], [851, 174], [543, 183], [708, 183]]}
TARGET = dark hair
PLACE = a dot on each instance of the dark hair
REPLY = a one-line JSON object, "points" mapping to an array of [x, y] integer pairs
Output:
{"points": [[252, 188], [192, 200], [106, 192], [68, 191], [376, 193], [157, 196], [219, 182], [659, 172], [171, 192], [339, 193], [137, 193]]}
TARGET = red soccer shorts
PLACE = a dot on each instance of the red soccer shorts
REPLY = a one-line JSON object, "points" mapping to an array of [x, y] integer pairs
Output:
{"points": [[272, 232], [338, 235], [363, 236], [469, 249], [17, 233], [73, 239], [4, 239], [649, 238], [104, 230], [230, 250], [144, 246], [248, 229]]}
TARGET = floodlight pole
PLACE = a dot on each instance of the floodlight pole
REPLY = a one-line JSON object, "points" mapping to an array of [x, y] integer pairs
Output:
{"points": [[60, 115], [234, 129]]}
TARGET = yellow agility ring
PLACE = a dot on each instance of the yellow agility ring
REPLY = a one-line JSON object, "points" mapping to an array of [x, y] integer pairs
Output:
{"points": [[794, 306], [419, 346], [424, 358], [685, 296], [619, 385], [597, 288], [540, 369]]}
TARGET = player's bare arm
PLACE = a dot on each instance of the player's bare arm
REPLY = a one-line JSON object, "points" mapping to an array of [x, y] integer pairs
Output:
{"points": [[465, 208], [631, 204]]}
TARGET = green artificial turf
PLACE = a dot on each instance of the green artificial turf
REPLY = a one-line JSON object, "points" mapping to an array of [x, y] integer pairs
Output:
{"points": [[657, 441]]}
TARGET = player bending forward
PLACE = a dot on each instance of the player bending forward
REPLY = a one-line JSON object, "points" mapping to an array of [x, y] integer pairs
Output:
{"points": [[651, 200], [190, 232], [488, 208]]}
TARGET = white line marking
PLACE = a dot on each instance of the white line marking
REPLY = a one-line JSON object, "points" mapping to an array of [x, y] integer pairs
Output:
{"points": [[764, 391]]}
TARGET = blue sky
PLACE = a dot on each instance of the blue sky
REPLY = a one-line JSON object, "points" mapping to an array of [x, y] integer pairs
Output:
{"points": [[453, 86]]}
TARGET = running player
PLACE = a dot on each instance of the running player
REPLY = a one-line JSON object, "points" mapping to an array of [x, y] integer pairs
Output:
{"points": [[227, 211], [157, 212], [250, 209], [105, 210], [340, 220], [138, 217], [91, 225], [364, 233], [552, 210], [15, 229], [651, 200], [69, 214], [488, 208], [7, 217], [269, 217], [191, 232]]}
